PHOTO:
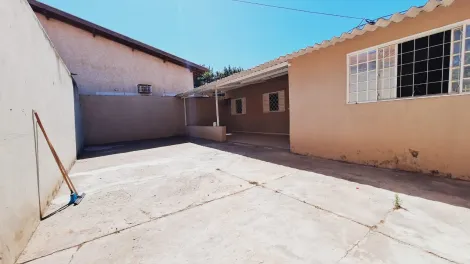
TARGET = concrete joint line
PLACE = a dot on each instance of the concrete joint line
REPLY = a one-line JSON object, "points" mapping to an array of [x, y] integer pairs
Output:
{"points": [[253, 182], [374, 229], [320, 208], [191, 206], [414, 246]]}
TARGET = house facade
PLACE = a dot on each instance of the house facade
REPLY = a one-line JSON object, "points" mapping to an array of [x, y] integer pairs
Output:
{"points": [[392, 94], [258, 108], [396, 97]]}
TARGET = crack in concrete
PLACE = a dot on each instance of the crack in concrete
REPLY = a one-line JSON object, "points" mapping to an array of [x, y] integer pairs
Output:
{"points": [[371, 228], [73, 255], [191, 206], [355, 245]]}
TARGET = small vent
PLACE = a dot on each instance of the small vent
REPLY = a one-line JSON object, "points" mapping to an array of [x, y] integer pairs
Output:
{"points": [[144, 88]]}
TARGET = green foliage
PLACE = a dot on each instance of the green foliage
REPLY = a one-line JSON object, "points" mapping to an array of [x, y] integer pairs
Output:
{"points": [[211, 76], [397, 202]]}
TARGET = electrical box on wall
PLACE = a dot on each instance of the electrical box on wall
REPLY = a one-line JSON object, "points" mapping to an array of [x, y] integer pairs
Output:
{"points": [[144, 89]]}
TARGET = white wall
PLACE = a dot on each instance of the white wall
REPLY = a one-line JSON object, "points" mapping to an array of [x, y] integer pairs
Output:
{"points": [[103, 65], [32, 76]]}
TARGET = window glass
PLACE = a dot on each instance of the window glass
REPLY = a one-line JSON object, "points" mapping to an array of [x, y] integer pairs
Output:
{"points": [[239, 106], [466, 62], [427, 65], [362, 81], [387, 75], [273, 102], [456, 60], [422, 65]]}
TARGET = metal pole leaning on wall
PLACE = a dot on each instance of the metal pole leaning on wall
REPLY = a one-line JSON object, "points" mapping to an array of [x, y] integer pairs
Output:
{"points": [[217, 106]]}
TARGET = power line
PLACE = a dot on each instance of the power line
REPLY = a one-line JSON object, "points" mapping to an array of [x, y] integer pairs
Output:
{"points": [[300, 10]]}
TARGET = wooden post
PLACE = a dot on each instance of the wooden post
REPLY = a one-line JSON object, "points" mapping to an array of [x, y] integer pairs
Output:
{"points": [[56, 157]]}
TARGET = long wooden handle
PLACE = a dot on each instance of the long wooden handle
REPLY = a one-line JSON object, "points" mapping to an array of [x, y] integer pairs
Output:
{"points": [[56, 157]]}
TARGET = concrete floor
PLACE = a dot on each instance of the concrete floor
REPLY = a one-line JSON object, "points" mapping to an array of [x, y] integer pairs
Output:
{"points": [[218, 203]]}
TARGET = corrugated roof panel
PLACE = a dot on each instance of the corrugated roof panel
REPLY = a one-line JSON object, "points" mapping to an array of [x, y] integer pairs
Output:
{"points": [[412, 12]]}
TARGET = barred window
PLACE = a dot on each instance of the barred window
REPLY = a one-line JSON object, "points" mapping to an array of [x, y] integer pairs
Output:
{"points": [[274, 102], [238, 106], [431, 64]]}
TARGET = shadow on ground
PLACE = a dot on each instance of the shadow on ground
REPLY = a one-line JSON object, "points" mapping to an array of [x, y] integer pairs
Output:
{"points": [[449, 191], [124, 147]]}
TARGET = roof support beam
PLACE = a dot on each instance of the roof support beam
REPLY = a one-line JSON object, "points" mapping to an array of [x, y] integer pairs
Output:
{"points": [[217, 106]]}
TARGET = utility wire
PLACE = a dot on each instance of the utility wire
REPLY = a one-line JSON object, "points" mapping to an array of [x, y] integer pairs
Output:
{"points": [[300, 10]]}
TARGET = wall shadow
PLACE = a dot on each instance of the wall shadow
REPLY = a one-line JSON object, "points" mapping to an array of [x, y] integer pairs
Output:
{"points": [[449, 191], [123, 147]]}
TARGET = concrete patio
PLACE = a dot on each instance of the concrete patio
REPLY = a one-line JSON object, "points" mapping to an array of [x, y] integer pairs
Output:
{"points": [[203, 202]]}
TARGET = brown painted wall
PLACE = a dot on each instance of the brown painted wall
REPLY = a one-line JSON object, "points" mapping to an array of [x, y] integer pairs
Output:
{"points": [[383, 133], [255, 120], [109, 119], [200, 111]]}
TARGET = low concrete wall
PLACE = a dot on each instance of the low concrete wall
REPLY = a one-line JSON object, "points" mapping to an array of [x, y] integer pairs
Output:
{"points": [[33, 77], [110, 119], [208, 132]]}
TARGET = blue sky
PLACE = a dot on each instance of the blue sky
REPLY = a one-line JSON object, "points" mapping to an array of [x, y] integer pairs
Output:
{"points": [[217, 33]]}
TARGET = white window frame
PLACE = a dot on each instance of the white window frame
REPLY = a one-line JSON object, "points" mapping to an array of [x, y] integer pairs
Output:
{"points": [[463, 24]]}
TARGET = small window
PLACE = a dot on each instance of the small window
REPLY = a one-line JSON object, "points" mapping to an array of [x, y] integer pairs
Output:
{"points": [[239, 106], [274, 102]]}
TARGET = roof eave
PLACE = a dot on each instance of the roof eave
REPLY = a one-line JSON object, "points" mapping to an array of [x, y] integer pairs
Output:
{"points": [[51, 12]]}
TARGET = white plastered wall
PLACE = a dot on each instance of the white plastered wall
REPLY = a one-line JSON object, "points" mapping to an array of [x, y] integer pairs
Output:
{"points": [[32, 76], [104, 66]]}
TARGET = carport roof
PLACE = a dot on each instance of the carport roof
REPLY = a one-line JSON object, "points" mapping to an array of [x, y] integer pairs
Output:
{"points": [[382, 22]]}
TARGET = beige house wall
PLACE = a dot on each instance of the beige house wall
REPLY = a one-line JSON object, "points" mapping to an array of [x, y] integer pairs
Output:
{"points": [[386, 134], [110, 119], [33, 77], [255, 120], [105, 66]]}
